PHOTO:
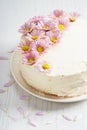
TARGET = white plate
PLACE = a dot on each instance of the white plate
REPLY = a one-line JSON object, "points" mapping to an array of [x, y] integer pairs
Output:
{"points": [[15, 70]]}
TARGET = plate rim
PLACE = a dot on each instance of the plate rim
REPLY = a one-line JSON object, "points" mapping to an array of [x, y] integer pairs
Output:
{"points": [[60, 100]]}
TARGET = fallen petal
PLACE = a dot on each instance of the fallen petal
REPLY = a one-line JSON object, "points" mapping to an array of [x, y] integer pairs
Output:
{"points": [[67, 118], [24, 97], [32, 123], [40, 114], [3, 58], [2, 91], [9, 83], [21, 110]]}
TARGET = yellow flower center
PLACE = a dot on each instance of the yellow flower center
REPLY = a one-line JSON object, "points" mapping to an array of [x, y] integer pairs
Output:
{"points": [[46, 66], [61, 26], [58, 16], [35, 37], [53, 39], [25, 48], [45, 26], [28, 29], [31, 59], [40, 49]]}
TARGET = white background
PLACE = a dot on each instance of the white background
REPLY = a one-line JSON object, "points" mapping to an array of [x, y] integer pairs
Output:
{"points": [[14, 13]]}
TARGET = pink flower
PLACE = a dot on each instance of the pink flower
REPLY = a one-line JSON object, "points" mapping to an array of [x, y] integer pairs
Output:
{"points": [[35, 34], [40, 46], [54, 36], [58, 13], [30, 58], [44, 38], [44, 66], [36, 22], [25, 46], [47, 25], [26, 28], [61, 24], [73, 16]]}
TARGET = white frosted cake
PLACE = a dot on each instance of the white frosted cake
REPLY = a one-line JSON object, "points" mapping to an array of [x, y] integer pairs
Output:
{"points": [[54, 54]]}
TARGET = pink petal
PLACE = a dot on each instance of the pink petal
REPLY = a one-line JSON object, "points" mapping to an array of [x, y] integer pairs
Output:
{"points": [[3, 58], [39, 114], [75, 118], [24, 97], [67, 118], [21, 110], [2, 91], [9, 83], [31, 123]]}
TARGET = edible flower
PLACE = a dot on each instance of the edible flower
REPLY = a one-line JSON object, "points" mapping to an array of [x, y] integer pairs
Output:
{"points": [[36, 20], [44, 66], [35, 34], [47, 25], [58, 13], [73, 16], [30, 58], [61, 24], [26, 28], [25, 46], [40, 46], [54, 36]]}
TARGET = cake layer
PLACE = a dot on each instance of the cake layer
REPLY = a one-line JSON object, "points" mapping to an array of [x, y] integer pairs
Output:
{"points": [[58, 85]]}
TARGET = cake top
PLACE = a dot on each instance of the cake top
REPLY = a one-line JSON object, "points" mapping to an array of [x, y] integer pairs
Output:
{"points": [[42, 33]]}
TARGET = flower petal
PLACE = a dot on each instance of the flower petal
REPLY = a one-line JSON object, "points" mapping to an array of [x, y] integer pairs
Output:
{"points": [[9, 83], [3, 58], [40, 114], [73, 118], [31, 123], [21, 110], [2, 91], [24, 97], [67, 118]]}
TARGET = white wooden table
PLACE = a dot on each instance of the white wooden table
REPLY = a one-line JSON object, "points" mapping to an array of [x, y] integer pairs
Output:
{"points": [[18, 109]]}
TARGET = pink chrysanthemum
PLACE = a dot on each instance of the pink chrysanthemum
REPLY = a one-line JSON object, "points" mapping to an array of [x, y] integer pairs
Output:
{"points": [[25, 46], [61, 24], [47, 25], [54, 36], [40, 46], [30, 58], [36, 21], [44, 38], [26, 28], [44, 66], [73, 16], [58, 13], [35, 34]]}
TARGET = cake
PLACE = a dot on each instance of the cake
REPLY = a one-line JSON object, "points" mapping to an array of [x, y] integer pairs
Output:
{"points": [[53, 50]]}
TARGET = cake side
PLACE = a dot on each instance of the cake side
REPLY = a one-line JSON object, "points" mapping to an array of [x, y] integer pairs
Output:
{"points": [[57, 85]]}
